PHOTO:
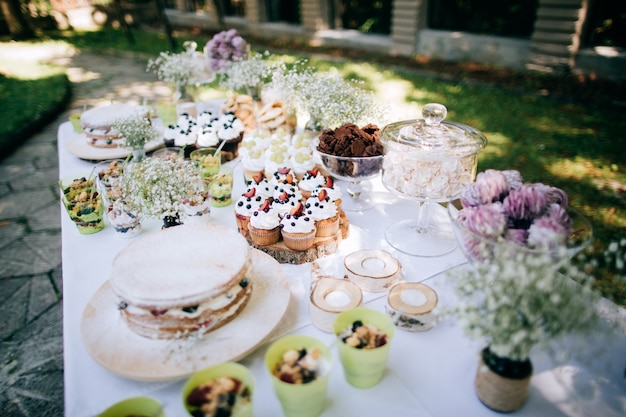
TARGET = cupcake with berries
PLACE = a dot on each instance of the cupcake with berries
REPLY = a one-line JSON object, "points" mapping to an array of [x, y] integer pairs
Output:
{"points": [[324, 212], [245, 207], [284, 202], [264, 226], [311, 180], [298, 229], [283, 175], [332, 191], [262, 186]]}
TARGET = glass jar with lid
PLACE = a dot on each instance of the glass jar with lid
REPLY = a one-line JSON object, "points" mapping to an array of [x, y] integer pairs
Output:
{"points": [[429, 160]]}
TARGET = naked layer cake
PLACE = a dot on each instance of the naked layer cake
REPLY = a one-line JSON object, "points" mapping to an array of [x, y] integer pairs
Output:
{"points": [[182, 280]]}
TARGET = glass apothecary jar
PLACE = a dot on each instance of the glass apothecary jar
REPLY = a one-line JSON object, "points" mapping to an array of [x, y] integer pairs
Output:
{"points": [[429, 160]]}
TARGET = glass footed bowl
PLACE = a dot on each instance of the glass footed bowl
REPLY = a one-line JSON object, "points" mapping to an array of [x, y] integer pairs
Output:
{"points": [[352, 168], [478, 248]]}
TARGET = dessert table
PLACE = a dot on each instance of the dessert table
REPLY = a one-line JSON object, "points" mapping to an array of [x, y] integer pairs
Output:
{"points": [[429, 374]]}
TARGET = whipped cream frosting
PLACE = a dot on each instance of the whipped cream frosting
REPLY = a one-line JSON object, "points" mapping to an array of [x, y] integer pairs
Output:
{"points": [[207, 138], [297, 224], [283, 207], [302, 161], [320, 210], [309, 182], [246, 206], [263, 188], [266, 220], [253, 164], [334, 192]]}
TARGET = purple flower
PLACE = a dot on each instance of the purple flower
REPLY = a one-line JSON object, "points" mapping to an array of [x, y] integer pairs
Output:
{"points": [[518, 236], [550, 230], [513, 178], [238, 43], [526, 203], [224, 48], [487, 220], [490, 186]]}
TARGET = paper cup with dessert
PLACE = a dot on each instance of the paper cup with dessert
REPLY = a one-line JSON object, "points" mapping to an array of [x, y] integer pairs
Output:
{"points": [[299, 367], [83, 203], [364, 340], [225, 389]]}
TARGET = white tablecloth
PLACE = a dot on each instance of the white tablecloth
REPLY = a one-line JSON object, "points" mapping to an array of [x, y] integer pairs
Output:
{"points": [[429, 374]]}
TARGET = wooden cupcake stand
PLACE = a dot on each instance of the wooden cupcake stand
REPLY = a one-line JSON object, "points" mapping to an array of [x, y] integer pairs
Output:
{"points": [[321, 247]]}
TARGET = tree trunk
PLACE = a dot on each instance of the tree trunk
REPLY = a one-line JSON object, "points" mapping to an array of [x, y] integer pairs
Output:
{"points": [[16, 20]]}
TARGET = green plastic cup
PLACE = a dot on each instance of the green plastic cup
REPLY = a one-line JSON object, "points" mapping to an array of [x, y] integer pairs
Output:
{"points": [[363, 368], [243, 408], [299, 400], [75, 120], [167, 113], [136, 406]]}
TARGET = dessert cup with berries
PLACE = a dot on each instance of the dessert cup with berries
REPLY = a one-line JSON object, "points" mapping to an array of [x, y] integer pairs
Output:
{"points": [[299, 367], [220, 390], [83, 203], [364, 340]]}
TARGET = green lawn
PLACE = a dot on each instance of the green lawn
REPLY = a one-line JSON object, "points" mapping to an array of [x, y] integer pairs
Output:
{"points": [[30, 93], [578, 147]]}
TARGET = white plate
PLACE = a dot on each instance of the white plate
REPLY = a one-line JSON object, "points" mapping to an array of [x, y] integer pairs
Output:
{"points": [[114, 346], [79, 147]]}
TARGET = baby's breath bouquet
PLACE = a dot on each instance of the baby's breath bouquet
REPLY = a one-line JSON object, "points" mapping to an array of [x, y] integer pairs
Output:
{"points": [[137, 131], [247, 75], [328, 99], [516, 302], [181, 69], [162, 185]]}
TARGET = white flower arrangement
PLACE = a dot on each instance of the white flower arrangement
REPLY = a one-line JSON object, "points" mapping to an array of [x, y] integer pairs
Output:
{"points": [[162, 185], [247, 75], [181, 69], [137, 131], [328, 99], [517, 302]]}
